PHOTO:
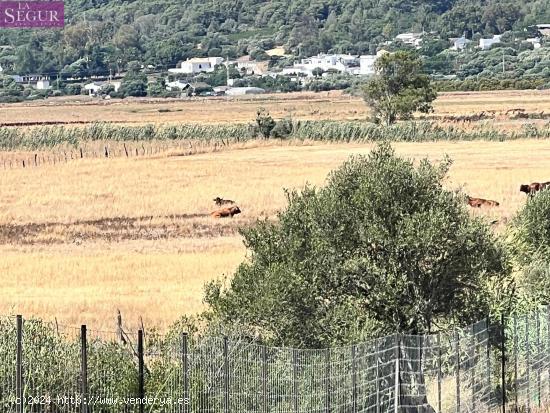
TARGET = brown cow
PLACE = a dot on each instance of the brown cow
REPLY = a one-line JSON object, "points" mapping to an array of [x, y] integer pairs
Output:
{"points": [[226, 212], [533, 188], [220, 201], [479, 202]]}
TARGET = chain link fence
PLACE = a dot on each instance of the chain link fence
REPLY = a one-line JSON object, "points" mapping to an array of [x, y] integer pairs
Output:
{"points": [[493, 366]]}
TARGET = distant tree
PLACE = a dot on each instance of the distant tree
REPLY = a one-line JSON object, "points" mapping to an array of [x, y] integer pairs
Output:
{"points": [[264, 122], [9, 87], [399, 88], [157, 88], [383, 247], [134, 82]]}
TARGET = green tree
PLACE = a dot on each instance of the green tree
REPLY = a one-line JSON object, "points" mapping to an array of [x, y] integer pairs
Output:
{"points": [[264, 122], [399, 88], [134, 82], [383, 247]]}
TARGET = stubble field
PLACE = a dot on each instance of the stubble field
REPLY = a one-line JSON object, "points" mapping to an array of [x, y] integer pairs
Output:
{"points": [[80, 240]]}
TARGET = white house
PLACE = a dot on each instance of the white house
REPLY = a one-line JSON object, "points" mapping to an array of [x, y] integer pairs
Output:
{"points": [[544, 29], [42, 84], [485, 44], [251, 67], [535, 41], [240, 91], [366, 66], [459, 43], [344, 63], [414, 39], [177, 84], [197, 65], [94, 88]]}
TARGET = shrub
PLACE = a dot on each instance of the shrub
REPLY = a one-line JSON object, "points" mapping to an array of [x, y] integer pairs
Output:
{"points": [[382, 247], [530, 229], [265, 122], [283, 128]]}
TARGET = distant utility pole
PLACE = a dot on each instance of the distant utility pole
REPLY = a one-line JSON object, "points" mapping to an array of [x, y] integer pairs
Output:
{"points": [[503, 63]]}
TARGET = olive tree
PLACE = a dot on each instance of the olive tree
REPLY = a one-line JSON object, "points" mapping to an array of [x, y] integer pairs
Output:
{"points": [[399, 88], [383, 247]]}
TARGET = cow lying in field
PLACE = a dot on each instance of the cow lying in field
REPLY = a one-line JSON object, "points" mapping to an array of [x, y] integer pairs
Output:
{"points": [[220, 201], [533, 188], [479, 202], [226, 212]]}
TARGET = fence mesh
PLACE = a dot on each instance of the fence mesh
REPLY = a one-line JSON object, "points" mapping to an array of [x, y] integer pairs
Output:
{"points": [[57, 369]]}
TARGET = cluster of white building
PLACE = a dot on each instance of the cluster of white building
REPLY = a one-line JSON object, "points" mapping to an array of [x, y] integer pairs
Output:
{"points": [[309, 67], [336, 63]]}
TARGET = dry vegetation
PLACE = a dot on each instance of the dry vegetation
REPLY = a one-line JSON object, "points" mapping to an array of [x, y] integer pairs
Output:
{"points": [[80, 240], [323, 105], [84, 238]]}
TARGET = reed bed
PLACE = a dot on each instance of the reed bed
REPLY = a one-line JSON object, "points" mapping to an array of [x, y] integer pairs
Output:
{"points": [[45, 137]]}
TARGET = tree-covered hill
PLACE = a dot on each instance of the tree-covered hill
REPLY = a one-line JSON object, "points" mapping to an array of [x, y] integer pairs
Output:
{"points": [[106, 34]]}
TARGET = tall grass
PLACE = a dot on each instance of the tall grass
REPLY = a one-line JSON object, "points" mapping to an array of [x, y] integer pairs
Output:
{"points": [[42, 137]]}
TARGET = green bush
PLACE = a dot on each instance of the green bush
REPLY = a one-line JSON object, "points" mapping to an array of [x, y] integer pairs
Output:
{"points": [[381, 248], [530, 229]]}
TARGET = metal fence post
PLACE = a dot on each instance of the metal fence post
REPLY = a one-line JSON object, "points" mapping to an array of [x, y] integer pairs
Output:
{"points": [[439, 372], [327, 384], [226, 374], [264, 379], [457, 370], [528, 357], [488, 361], [548, 342], [19, 366], [84, 369], [377, 376], [537, 360], [185, 366], [503, 360], [141, 369], [516, 390], [397, 390], [295, 379], [353, 379], [472, 365]]}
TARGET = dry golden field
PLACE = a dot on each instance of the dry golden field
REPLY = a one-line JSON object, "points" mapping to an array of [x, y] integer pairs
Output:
{"points": [[80, 240], [323, 105]]}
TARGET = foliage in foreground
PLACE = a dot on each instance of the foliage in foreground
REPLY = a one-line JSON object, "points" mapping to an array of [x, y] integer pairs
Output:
{"points": [[529, 237], [381, 248]]}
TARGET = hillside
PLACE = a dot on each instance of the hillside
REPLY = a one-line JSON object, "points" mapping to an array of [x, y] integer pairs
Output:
{"points": [[103, 35]]}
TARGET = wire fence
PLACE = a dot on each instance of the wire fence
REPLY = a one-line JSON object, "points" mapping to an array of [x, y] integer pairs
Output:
{"points": [[490, 366]]}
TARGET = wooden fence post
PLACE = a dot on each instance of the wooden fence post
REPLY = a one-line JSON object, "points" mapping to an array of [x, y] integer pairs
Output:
{"points": [[83, 369], [141, 375], [19, 366]]}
